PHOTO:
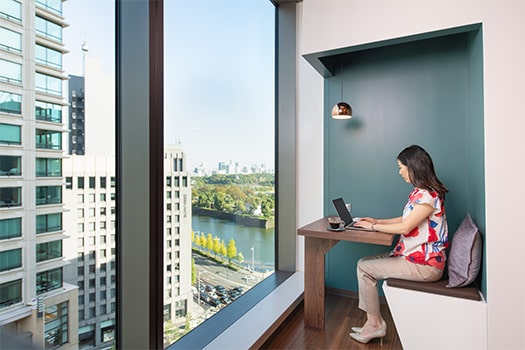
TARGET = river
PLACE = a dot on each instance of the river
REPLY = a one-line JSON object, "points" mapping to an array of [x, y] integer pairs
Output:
{"points": [[262, 240]]}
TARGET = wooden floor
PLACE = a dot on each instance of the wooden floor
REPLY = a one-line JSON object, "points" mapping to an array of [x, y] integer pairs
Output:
{"points": [[341, 314]]}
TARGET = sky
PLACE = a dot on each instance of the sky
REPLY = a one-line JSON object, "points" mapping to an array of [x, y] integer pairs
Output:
{"points": [[218, 73]]}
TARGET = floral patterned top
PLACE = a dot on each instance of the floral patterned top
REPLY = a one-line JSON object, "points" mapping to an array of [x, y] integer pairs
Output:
{"points": [[426, 243]]}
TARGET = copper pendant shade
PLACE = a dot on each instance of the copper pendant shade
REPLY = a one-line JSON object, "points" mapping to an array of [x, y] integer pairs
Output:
{"points": [[342, 110]]}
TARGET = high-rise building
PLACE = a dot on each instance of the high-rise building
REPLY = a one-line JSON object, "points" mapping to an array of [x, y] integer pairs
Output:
{"points": [[89, 198], [177, 236], [35, 302]]}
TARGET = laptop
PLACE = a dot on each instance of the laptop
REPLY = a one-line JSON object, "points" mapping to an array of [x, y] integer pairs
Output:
{"points": [[344, 214]]}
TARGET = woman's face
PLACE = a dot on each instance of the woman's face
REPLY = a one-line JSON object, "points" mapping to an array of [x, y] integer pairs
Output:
{"points": [[403, 171]]}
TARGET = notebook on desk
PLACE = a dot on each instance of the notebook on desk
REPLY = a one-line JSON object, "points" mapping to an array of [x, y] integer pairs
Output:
{"points": [[344, 214]]}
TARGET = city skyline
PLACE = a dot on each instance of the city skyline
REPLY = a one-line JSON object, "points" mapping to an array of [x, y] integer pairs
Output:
{"points": [[207, 102]]}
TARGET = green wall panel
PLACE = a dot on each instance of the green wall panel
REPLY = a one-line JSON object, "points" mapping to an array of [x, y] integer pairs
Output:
{"points": [[426, 92]]}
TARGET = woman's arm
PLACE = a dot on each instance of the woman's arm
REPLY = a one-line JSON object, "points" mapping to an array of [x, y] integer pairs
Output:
{"points": [[384, 221], [398, 225]]}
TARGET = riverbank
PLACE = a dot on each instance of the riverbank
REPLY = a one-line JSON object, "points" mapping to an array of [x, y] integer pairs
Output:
{"points": [[243, 220]]}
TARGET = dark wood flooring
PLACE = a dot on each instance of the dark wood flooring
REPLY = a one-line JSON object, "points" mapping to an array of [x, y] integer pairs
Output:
{"points": [[342, 313]]}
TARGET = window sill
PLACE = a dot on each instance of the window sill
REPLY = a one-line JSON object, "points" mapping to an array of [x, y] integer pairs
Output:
{"points": [[255, 315]]}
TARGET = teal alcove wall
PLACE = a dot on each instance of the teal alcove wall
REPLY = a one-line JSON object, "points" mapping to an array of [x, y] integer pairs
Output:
{"points": [[423, 91]]}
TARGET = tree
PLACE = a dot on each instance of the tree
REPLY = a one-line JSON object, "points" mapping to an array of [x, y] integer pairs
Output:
{"points": [[240, 257], [209, 243], [216, 245], [232, 250], [223, 250]]}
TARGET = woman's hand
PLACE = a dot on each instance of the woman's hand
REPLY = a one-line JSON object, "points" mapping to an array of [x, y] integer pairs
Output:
{"points": [[370, 220], [365, 223]]}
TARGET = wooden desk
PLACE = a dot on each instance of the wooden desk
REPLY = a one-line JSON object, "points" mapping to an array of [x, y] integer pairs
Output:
{"points": [[318, 241]]}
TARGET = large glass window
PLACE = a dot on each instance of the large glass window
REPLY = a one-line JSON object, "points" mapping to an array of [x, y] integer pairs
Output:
{"points": [[223, 169], [49, 167], [10, 197], [51, 5], [10, 102], [10, 134], [56, 327], [10, 72], [11, 9], [10, 40], [10, 293], [48, 29], [48, 250], [48, 84], [48, 280], [48, 57], [10, 228], [48, 111], [48, 223], [10, 166], [48, 195], [47, 139], [10, 259]]}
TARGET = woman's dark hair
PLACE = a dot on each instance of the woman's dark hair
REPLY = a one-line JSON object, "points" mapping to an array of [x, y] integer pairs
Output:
{"points": [[421, 170]]}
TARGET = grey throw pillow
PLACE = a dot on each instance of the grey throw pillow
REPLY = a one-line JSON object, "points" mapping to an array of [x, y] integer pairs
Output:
{"points": [[464, 260]]}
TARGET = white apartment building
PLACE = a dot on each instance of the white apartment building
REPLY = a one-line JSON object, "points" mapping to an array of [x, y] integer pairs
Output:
{"points": [[89, 220], [35, 302], [177, 236]]}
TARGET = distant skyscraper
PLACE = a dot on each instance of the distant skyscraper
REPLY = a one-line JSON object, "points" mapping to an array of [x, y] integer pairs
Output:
{"points": [[77, 131], [35, 302]]}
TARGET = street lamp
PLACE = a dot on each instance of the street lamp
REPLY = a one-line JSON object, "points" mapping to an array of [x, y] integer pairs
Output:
{"points": [[253, 258]]}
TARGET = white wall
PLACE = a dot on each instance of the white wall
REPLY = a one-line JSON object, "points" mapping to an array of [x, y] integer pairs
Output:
{"points": [[331, 24], [309, 140]]}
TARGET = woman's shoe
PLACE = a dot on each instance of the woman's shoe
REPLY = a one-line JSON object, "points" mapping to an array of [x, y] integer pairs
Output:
{"points": [[359, 329], [378, 333]]}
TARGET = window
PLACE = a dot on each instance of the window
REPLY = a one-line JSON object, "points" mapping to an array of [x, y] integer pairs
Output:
{"points": [[10, 197], [10, 228], [10, 102], [11, 10], [48, 223], [48, 195], [10, 293], [80, 182], [48, 167], [10, 166], [48, 29], [48, 84], [46, 139], [10, 259], [10, 134], [10, 40], [92, 182], [102, 182], [48, 250], [48, 280], [54, 6], [69, 183], [56, 326], [48, 57], [49, 112], [10, 72]]}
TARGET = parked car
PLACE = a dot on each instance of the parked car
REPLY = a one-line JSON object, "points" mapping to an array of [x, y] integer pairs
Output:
{"points": [[220, 290], [225, 299]]}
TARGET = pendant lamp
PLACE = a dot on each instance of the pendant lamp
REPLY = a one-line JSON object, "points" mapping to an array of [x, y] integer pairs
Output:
{"points": [[342, 110]]}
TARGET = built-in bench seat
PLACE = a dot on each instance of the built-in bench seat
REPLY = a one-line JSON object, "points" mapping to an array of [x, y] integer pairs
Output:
{"points": [[428, 315], [470, 292]]}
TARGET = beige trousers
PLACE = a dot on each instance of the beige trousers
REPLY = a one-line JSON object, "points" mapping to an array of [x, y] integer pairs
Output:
{"points": [[370, 269]]}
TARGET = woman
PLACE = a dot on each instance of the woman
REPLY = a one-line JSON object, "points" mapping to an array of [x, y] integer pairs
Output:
{"points": [[420, 252]]}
